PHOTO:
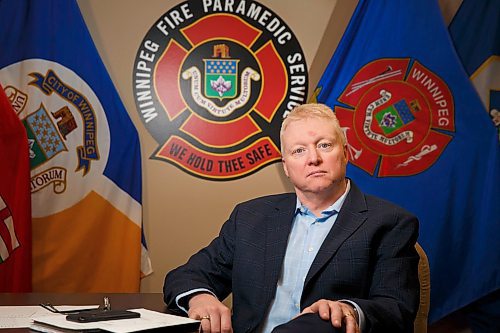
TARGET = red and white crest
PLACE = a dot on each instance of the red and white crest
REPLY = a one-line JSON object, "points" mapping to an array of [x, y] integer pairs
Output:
{"points": [[400, 117]]}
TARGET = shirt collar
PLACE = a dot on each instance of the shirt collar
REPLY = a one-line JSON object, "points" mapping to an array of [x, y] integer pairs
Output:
{"points": [[329, 211]]}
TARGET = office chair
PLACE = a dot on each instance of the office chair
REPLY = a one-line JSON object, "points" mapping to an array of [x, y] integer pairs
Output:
{"points": [[424, 276]]}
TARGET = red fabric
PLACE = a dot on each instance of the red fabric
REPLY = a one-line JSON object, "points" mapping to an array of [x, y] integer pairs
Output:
{"points": [[15, 202]]}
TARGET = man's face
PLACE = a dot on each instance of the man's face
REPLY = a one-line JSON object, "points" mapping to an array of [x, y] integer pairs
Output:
{"points": [[314, 157]]}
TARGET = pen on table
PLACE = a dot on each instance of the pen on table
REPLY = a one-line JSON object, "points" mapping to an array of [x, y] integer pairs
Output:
{"points": [[53, 309], [107, 305]]}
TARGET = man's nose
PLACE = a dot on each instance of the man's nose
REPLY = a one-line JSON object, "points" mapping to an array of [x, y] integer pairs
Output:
{"points": [[314, 158]]}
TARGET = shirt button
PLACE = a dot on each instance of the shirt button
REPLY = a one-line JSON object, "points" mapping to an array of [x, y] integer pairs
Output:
{"points": [[310, 249], [297, 305]]}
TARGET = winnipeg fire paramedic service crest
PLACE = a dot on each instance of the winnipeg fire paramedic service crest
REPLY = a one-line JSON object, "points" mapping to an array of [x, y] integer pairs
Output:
{"points": [[399, 119], [212, 83]]}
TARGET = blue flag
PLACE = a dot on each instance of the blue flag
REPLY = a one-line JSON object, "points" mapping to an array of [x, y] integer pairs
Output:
{"points": [[475, 31], [84, 151], [417, 136]]}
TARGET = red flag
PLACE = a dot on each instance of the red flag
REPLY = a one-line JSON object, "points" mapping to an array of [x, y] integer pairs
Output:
{"points": [[15, 202]]}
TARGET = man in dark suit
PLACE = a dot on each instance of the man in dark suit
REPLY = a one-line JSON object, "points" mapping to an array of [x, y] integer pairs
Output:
{"points": [[343, 260]]}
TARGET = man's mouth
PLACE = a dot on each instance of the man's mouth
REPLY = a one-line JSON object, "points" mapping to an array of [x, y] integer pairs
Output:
{"points": [[316, 173]]}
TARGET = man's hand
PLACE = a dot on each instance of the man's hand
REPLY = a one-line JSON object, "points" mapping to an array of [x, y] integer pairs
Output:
{"points": [[337, 312], [215, 317]]}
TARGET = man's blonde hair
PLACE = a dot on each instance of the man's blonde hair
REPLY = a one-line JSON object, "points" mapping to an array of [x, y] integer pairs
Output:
{"points": [[312, 110]]}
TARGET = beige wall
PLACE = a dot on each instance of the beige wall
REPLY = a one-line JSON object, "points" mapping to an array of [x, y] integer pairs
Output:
{"points": [[183, 213]]}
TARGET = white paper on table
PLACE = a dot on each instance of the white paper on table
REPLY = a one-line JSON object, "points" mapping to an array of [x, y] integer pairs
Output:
{"points": [[21, 316], [148, 320]]}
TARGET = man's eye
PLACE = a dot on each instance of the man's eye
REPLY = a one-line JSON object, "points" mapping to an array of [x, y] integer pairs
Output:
{"points": [[298, 151], [325, 145]]}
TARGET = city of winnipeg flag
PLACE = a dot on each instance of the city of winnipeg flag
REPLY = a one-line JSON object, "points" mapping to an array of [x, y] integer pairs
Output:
{"points": [[15, 203], [417, 136], [84, 151]]}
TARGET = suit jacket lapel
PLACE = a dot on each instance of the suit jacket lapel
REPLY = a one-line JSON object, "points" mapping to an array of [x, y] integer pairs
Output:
{"points": [[279, 225], [352, 215]]}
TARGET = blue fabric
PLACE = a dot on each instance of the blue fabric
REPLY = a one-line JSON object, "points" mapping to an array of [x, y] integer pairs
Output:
{"points": [[475, 31], [455, 192]]}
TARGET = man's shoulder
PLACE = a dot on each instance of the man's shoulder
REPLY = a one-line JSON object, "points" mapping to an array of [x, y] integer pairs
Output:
{"points": [[273, 201], [374, 202], [379, 201]]}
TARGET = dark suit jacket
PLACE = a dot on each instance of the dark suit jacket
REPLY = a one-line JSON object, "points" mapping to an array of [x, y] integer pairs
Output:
{"points": [[368, 257]]}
